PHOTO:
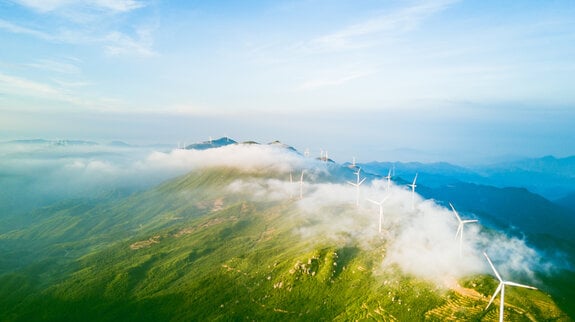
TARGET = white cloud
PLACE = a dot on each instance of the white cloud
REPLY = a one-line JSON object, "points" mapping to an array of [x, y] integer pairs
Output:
{"points": [[60, 91], [117, 43], [17, 29], [20, 86], [331, 81], [118, 5], [55, 66], [364, 33], [88, 23], [114, 6]]}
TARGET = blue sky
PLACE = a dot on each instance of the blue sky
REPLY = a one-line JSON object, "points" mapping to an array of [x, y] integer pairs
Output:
{"points": [[460, 81]]}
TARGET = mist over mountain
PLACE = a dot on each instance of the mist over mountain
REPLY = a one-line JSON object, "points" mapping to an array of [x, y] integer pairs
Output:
{"points": [[261, 231]]}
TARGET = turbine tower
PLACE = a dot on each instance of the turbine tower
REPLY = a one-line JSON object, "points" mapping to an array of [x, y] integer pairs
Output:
{"points": [[460, 227], [501, 288], [380, 204], [357, 184], [413, 185]]}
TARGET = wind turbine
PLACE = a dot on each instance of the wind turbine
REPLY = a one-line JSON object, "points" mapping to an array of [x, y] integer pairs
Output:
{"points": [[413, 185], [501, 288], [290, 185], [301, 185], [460, 227], [380, 204], [388, 177], [357, 184]]}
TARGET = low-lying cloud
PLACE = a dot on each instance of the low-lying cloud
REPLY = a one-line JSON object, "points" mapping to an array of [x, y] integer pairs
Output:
{"points": [[418, 235]]}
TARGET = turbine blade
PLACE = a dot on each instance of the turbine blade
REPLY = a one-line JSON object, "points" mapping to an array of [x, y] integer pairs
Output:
{"points": [[373, 201], [455, 213], [362, 180], [468, 221], [494, 295], [415, 179], [519, 285], [493, 267]]}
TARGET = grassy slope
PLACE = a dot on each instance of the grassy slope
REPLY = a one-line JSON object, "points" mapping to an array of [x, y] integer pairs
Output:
{"points": [[188, 250]]}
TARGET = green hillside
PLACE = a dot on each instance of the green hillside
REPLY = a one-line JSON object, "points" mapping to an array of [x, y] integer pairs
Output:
{"points": [[195, 248]]}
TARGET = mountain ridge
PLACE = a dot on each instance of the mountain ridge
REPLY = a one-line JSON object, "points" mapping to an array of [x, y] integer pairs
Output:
{"points": [[251, 243]]}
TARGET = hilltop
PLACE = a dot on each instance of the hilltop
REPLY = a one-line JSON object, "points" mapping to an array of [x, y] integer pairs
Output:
{"points": [[260, 232]]}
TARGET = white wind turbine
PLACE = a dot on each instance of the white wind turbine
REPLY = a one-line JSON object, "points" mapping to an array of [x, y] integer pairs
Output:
{"points": [[460, 227], [388, 177], [301, 185], [501, 288], [290, 185], [413, 185], [357, 184], [380, 204]]}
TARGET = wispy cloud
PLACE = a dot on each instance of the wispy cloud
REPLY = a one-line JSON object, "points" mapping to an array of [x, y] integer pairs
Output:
{"points": [[117, 43], [115, 6], [331, 81], [55, 66], [364, 34], [17, 29], [21, 86], [88, 22], [58, 91], [118, 5]]}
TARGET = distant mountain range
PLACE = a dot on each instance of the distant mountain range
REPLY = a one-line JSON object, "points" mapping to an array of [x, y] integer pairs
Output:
{"points": [[550, 177]]}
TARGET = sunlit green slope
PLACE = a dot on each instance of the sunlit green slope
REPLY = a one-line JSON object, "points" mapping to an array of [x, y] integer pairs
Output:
{"points": [[196, 249]]}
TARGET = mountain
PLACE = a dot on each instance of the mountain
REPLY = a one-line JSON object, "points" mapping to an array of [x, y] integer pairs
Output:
{"points": [[211, 144], [237, 242], [548, 176], [120, 144], [567, 201], [430, 174], [507, 208]]}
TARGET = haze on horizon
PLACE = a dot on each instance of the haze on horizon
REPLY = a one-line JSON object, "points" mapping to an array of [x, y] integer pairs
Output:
{"points": [[459, 81]]}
